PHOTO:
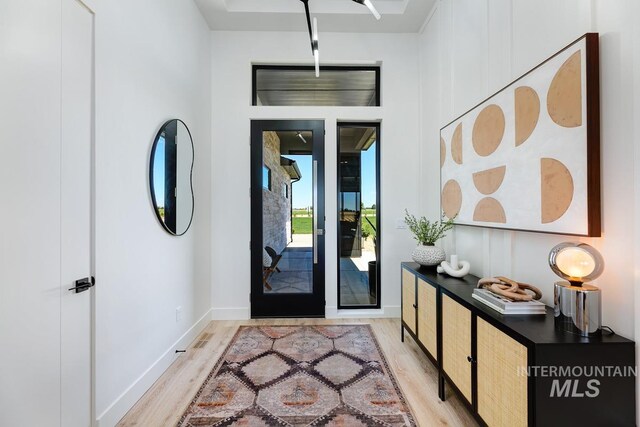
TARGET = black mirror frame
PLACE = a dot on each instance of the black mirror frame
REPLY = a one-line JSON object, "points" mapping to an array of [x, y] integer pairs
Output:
{"points": [[151, 187]]}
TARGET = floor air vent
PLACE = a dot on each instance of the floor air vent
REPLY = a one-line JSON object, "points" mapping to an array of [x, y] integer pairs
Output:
{"points": [[204, 339]]}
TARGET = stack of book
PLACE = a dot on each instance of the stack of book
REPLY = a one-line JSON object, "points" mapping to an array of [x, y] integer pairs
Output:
{"points": [[506, 306]]}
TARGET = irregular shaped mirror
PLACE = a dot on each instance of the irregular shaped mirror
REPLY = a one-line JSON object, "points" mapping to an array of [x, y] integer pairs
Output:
{"points": [[170, 177]]}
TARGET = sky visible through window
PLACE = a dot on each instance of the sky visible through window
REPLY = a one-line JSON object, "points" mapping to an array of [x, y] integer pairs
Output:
{"points": [[158, 173], [302, 190]]}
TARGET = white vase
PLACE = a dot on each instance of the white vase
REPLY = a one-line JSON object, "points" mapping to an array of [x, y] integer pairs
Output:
{"points": [[428, 256]]}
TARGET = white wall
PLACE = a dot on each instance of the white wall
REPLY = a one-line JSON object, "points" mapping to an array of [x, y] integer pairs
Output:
{"points": [[152, 64], [471, 48], [232, 56]]}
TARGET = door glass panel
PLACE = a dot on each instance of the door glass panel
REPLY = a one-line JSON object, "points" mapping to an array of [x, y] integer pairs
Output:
{"points": [[287, 212], [357, 216]]}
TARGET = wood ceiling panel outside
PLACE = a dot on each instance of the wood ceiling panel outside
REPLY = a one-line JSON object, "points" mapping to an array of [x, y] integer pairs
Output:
{"points": [[301, 88]]}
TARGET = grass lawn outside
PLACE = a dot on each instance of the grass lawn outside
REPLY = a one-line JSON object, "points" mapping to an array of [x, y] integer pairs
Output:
{"points": [[303, 225], [303, 212], [366, 227]]}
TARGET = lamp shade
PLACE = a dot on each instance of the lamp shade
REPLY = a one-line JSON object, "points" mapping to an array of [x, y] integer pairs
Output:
{"points": [[576, 262]]}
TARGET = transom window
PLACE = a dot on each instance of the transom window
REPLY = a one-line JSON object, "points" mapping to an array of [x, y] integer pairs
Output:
{"points": [[337, 86]]}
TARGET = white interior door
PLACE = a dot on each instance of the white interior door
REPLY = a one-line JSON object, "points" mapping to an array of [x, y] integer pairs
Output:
{"points": [[30, 213], [76, 213]]}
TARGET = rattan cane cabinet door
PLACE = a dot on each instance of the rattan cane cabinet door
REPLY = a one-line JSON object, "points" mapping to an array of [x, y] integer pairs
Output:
{"points": [[456, 344], [427, 325], [409, 299], [502, 380]]}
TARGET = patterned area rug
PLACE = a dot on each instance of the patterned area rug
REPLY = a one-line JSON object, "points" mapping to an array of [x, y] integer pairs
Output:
{"points": [[300, 376]]}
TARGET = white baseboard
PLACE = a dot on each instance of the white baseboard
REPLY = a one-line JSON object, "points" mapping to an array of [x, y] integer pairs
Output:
{"points": [[134, 392], [388, 311], [237, 313], [394, 311]]}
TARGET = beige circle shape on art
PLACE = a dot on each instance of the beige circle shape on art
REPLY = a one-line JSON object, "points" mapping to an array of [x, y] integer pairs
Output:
{"points": [[456, 145], [527, 111], [443, 151], [556, 190], [488, 130], [488, 181], [451, 198], [564, 99], [489, 210]]}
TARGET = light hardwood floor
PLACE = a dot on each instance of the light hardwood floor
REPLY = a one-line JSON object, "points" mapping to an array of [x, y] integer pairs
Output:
{"points": [[168, 398]]}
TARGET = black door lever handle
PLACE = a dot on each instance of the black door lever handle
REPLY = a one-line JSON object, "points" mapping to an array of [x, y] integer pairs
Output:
{"points": [[83, 284]]}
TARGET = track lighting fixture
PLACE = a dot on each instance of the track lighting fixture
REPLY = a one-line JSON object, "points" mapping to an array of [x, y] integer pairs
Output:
{"points": [[302, 138], [313, 32], [316, 49], [371, 7]]}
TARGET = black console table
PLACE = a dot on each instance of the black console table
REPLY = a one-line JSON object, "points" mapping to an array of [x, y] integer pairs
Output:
{"points": [[516, 370]]}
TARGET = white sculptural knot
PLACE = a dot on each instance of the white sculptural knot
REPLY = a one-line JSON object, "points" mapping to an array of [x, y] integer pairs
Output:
{"points": [[464, 269]]}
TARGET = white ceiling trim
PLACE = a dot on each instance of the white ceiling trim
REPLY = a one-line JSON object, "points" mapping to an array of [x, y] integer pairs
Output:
{"points": [[396, 7], [398, 16]]}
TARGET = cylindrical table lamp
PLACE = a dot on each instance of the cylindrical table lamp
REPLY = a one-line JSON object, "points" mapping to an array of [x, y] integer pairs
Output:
{"points": [[577, 304]]}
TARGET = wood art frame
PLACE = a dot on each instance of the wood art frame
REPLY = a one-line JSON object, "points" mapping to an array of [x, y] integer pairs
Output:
{"points": [[527, 158]]}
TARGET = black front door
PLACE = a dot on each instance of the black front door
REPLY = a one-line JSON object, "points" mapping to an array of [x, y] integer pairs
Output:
{"points": [[287, 218]]}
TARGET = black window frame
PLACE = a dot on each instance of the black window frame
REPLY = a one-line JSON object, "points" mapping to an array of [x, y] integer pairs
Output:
{"points": [[377, 126], [257, 67]]}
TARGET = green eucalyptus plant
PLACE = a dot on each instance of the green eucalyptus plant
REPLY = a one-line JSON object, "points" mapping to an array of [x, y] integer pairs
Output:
{"points": [[427, 232]]}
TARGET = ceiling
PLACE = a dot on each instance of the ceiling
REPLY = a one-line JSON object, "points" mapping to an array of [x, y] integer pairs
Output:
{"points": [[353, 139], [292, 144], [356, 139], [398, 16]]}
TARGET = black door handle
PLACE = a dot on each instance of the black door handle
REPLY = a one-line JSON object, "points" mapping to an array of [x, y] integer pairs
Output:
{"points": [[84, 284]]}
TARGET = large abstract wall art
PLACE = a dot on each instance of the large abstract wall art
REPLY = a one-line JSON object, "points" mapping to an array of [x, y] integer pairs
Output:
{"points": [[528, 157]]}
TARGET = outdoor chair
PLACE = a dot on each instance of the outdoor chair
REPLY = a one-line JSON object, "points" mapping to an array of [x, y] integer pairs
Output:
{"points": [[267, 271], [273, 254]]}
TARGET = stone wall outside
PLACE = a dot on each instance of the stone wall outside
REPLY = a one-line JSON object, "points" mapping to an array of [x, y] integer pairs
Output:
{"points": [[276, 208]]}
